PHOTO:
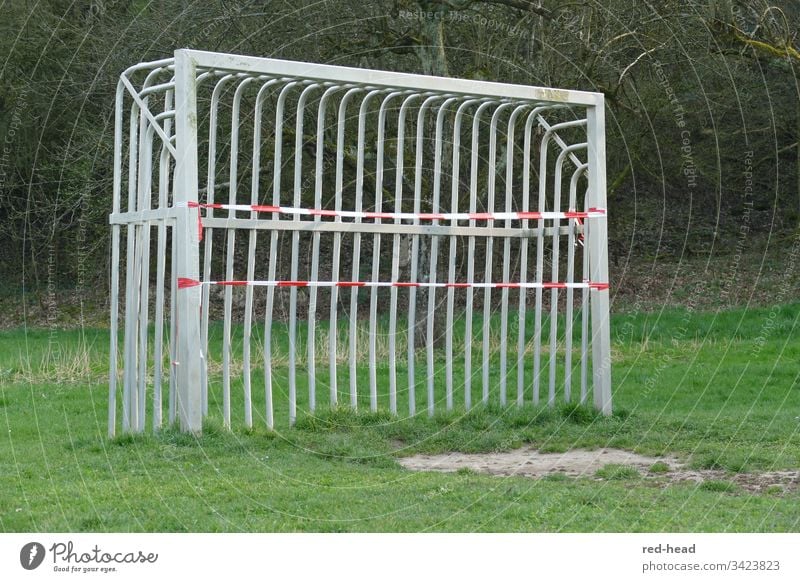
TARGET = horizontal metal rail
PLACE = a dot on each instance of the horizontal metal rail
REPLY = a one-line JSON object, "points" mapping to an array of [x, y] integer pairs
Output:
{"points": [[389, 79], [385, 228]]}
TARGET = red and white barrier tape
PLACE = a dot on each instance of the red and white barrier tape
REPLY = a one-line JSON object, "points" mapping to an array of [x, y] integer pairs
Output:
{"points": [[184, 282], [426, 216]]}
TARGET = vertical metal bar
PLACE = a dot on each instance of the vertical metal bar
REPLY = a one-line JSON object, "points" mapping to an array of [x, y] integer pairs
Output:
{"points": [[115, 235], [298, 172], [412, 291], [131, 280], [333, 335], [555, 270], [585, 309], [209, 234], [173, 325], [491, 182], [539, 273], [555, 247], [573, 189], [523, 259], [434, 248], [398, 207], [353, 352], [158, 355], [537, 332], [251, 253], [523, 252], [451, 273], [312, 302], [229, 259], [186, 241], [158, 340], [140, 189], [598, 258], [512, 119], [376, 254], [145, 182], [473, 203]]}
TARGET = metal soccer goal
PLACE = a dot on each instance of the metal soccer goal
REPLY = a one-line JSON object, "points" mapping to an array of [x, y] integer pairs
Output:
{"points": [[398, 238]]}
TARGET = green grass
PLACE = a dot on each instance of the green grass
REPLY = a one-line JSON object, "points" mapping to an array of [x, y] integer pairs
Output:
{"points": [[719, 486], [612, 472], [659, 467], [718, 390]]}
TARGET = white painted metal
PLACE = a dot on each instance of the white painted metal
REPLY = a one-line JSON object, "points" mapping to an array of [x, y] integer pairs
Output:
{"points": [[380, 139]]}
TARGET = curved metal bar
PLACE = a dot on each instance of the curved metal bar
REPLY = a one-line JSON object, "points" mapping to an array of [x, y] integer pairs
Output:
{"points": [[537, 331], [398, 202], [473, 201], [434, 252], [376, 247], [209, 239], [333, 334], [251, 243], [231, 240], [412, 292], [454, 195], [523, 293], [512, 119], [551, 394], [491, 183], [573, 189], [312, 303], [353, 339]]}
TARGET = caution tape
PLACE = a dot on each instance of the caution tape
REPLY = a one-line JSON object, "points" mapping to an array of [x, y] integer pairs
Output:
{"points": [[420, 216], [184, 282]]}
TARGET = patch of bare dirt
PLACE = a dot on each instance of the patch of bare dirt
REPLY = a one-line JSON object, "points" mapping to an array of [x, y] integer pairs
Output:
{"points": [[528, 462]]}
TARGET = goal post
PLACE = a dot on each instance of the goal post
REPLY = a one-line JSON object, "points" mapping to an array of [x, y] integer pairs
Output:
{"points": [[186, 239], [285, 227]]}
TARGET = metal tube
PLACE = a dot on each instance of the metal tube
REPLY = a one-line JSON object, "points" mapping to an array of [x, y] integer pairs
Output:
{"points": [[231, 240], [115, 234], [551, 390], [209, 234], [251, 252], [163, 190], [362, 117], [454, 195], [491, 182], [312, 304], [398, 202], [537, 331], [573, 188], [598, 259], [473, 202], [298, 171], [333, 334], [523, 252], [434, 254], [412, 292], [187, 243], [376, 248], [131, 280]]}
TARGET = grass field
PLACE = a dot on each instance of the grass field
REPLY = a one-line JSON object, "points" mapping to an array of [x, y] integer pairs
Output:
{"points": [[719, 390]]}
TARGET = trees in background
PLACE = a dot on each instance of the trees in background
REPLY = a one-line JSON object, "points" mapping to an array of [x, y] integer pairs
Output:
{"points": [[703, 102]]}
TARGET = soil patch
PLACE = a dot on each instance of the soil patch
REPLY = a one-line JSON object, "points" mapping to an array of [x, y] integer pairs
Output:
{"points": [[529, 462]]}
